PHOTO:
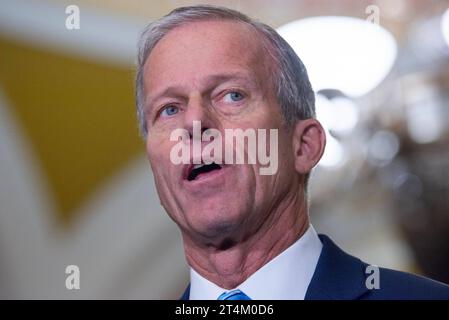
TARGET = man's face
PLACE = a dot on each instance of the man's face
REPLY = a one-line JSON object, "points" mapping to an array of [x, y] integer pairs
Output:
{"points": [[218, 73]]}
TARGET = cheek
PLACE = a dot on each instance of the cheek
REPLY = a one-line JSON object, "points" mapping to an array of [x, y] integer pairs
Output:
{"points": [[158, 154], [158, 141], [151, 149]]}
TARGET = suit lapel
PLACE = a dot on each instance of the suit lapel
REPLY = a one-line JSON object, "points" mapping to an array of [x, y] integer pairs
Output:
{"points": [[338, 275], [186, 294]]}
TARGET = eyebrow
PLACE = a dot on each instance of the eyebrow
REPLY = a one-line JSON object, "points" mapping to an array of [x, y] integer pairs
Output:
{"points": [[210, 81]]}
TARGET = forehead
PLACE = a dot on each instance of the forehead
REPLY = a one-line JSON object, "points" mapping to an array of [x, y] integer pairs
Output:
{"points": [[196, 49]]}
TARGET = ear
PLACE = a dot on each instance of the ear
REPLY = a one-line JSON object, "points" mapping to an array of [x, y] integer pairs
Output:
{"points": [[309, 140]]}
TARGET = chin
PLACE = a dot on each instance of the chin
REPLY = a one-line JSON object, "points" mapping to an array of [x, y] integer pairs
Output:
{"points": [[215, 222]]}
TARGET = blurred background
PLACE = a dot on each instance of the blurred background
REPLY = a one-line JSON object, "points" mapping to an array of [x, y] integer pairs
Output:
{"points": [[76, 188]]}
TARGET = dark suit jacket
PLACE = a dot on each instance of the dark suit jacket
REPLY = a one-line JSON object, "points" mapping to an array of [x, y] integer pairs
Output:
{"points": [[340, 276]]}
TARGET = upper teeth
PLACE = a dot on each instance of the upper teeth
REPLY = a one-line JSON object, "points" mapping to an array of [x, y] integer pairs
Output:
{"points": [[198, 166]]}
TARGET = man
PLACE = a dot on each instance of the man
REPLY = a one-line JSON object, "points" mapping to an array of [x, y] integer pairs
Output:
{"points": [[246, 235]]}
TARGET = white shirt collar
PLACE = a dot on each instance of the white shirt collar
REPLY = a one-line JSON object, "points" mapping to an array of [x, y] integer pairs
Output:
{"points": [[286, 277]]}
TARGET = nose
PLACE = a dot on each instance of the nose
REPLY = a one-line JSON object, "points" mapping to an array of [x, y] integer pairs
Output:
{"points": [[198, 110]]}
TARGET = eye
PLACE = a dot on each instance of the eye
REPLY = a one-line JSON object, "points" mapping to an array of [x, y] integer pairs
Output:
{"points": [[169, 110], [233, 96]]}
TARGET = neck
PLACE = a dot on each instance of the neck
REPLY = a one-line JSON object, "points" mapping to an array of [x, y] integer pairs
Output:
{"points": [[230, 267]]}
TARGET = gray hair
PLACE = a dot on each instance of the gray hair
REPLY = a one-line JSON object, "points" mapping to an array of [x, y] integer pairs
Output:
{"points": [[293, 90]]}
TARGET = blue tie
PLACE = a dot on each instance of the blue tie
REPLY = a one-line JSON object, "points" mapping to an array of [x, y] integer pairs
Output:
{"points": [[233, 295]]}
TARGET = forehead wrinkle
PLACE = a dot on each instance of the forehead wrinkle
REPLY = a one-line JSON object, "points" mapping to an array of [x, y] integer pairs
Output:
{"points": [[234, 44], [255, 56]]}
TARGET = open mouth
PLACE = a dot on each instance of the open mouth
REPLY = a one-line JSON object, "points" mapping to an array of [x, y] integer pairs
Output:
{"points": [[199, 169]]}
